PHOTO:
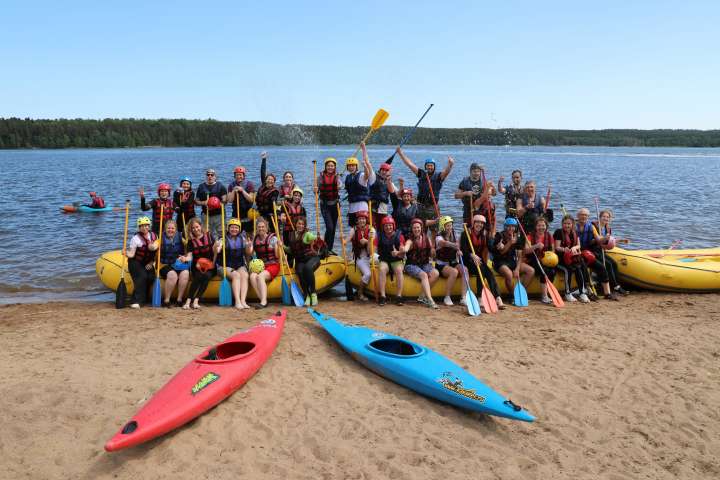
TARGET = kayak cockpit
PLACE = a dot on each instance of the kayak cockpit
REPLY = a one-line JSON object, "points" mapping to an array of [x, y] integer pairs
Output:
{"points": [[228, 351], [396, 347]]}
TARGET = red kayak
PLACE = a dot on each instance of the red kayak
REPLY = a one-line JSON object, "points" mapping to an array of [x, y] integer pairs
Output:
{"points": [[206, 381]]}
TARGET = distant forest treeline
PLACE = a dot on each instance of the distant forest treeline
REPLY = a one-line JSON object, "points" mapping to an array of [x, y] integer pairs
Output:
{"points": [[114, 133]]}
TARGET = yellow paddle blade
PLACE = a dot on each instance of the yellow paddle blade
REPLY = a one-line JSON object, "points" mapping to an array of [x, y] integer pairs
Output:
{"points": [[379, 119]]}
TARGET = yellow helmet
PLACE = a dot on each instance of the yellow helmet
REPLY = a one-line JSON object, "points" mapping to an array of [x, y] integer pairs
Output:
{"points": [[550, 259], [330, 159], [352, 161], [444, 220], [234, 221], [144, 221], [298, 190]]}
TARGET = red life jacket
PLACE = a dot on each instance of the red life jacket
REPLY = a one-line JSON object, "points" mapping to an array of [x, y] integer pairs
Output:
{"points": [[202, 247], [143, 253], [167, 213], [546, 241], [363, 234], [569, 240], [266, 199], [299, 249], [328, 189], [446, 254], [98, 202], [419, 253], [295, 211], [286, 191], [264, 251], [187, 207], [479, 242]]}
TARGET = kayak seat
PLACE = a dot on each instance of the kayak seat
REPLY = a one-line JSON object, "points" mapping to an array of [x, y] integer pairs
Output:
{"points": [[394, 346], [229, 350]]}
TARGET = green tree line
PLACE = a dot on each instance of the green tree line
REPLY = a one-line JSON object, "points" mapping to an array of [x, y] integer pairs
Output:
{"points": [[115, 133]]}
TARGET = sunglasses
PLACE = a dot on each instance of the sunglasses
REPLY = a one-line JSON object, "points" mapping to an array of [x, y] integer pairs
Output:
{"points": [[210, 174]]}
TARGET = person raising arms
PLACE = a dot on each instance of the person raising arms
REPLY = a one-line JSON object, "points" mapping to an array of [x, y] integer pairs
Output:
{"points": [[529, 206], [380, 192], [357, 184], [426, 190], [512, 192]]}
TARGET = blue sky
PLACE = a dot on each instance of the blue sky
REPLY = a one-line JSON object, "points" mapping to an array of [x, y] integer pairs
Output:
{"points": [[642, 64]]}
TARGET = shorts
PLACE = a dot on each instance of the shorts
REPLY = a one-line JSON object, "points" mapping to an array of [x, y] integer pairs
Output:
{"points": [[167, 269], [273, 269], [511, 264], [393, 265], [426, 212], [415, 270], [230, 269], [451, 264]]}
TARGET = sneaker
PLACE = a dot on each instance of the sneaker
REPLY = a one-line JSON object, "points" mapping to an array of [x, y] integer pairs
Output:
{"points": [[423, 299], [361, 296], [463, 302], [612, 296], [307, 301], [313, 299], [593, 297], [135, 305], [584, 298], [382, 301], [447, 301], [433, 305], [546, 300], [570, 298], [399, 300], [621, 290], [499, 302]]}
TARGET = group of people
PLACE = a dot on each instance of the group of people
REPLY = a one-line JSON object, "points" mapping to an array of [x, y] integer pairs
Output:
{"points": [[268, 228]]}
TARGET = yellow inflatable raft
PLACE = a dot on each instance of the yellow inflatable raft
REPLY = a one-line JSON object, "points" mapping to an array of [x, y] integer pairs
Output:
{"points": [[329, 274], [687, 270]]}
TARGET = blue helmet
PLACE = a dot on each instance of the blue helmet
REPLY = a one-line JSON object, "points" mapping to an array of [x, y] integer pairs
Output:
{"points": [[430, 160], [185, 179], [511, 221]]}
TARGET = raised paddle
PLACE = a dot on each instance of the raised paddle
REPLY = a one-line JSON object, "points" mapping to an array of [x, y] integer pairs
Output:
{"points": [[317, 200], [552, 290], [349, 294], [409, 134], [157, 291], [377, 122], [471, 301], [295, 292], [121, 291], [372, 256], [486, 297], [225, 298]]}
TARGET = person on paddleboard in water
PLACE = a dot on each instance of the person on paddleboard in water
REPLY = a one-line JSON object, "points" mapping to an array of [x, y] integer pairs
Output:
{"points": [[155, 205], [96, 201], [184, 204]]}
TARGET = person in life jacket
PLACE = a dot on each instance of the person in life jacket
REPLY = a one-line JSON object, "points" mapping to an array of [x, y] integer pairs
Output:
{"points": [[447, 249], [211, 188], [237, 249], [175, 274], [380, 192], [266, 246], [589, 237], [360, 236], [241, 195], [163, 201], [419, 265], [266, 197], [357, 184], [507, 255], [404, 210], [307, 259], [328, 191], [481, 240], [287, 186], [607, 242], [567, 247], [184, 204], [141, 261], [295, 209], [471, 190], [426, 191], [540, 241], [96, 201], [202, 255], [512, 192], [529, 206], [391, 249]]}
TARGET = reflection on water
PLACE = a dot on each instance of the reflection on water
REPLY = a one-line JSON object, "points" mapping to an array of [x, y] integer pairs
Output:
{"points": [[658, 195]]}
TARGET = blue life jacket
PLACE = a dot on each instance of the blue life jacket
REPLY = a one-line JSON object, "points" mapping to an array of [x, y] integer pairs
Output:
{"points": [[586, 236], [379, 192], [172, 248], [404, 215], [356, 191], [234, 252], [385, 246]]}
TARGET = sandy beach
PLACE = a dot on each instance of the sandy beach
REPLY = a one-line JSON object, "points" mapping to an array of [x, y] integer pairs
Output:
{"points": [[620, 390]]}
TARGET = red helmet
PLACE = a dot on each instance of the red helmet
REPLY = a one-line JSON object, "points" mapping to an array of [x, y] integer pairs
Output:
{"points": [[92, 194], [204, 264], [213, 202], [406, 191], [386, 166], [164, 186], [362, 214], [589, 257], [569, 257], [239, 170], [417, 220], [388, 220]]}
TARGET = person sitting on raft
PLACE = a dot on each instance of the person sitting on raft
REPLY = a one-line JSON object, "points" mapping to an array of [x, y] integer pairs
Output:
{"points": [[481, 239], [241, 195], [210, 188], [380, 192], [418, 264], [287, 186], [426, 191], [202, 255], [391, 249], [529, 206], [567, 247], [237, 248], [163, 202], [266, 246], [141, 261], [447, 249], [360, 236], [328, 190], [96, 201], [184, 204], [607, 242], [472, 190], [513, 192], [507, 255], [357, 184], [175, 266], [541, 242], [295, 210], [304, 249], [587, 234]]}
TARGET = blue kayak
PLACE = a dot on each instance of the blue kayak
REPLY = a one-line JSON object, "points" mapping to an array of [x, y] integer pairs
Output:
{"points": [[84, 209], [420, 369]]}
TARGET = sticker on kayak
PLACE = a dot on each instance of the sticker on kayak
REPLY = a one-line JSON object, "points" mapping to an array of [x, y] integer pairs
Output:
{"points": [[454, 384], [209, 378], [270, 323], [378, 335]]}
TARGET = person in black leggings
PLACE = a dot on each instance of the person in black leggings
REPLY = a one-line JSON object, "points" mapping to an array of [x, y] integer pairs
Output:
{"points": [[306, 259], [202, 253]]}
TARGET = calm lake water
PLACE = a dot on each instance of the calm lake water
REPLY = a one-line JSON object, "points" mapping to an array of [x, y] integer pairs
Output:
{"points": [[658, 195]]}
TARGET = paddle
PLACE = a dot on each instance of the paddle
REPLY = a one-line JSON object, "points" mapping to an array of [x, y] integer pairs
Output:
{"points": [[225, 299], [432, 195], [285, 288], [157, 291], [317, 201], [520, 294], [287, 215], [552, 290], [377, 122], [471, 301], [409, 134], [349, 294], [488, 300], [295, 292], [121, 291], [372, 256]]}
